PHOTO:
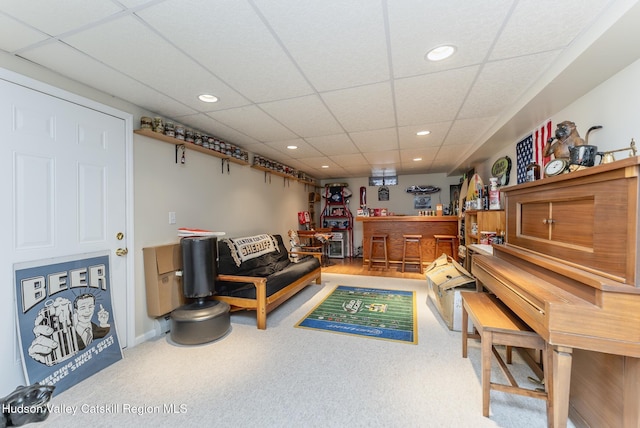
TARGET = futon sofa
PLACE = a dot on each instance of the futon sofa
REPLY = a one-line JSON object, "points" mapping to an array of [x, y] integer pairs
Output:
{"points": [[256, 273]]}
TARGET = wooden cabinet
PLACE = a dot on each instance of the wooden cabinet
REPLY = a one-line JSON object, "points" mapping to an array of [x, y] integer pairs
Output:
{"points": [[585, 220], [476, 222]]}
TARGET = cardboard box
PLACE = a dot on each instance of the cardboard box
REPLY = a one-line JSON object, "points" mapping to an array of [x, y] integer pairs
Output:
{"points": [[163, 285], [445, 279]]}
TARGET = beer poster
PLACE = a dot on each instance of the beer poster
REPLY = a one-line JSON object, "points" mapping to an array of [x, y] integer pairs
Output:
{"points": [[65, 319]]}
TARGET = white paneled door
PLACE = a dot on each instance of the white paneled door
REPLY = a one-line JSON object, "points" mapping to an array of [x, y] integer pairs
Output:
{"points": [[63, 190]]}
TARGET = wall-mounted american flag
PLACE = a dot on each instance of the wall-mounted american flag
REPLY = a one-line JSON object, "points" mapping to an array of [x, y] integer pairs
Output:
{"points": [[531, 147]]}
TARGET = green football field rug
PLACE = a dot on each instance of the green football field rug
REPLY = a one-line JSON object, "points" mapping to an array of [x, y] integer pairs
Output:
{"points": [[368, 312]]}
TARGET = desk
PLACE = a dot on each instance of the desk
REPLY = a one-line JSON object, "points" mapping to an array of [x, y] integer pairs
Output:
{"points": [[396, 226]]}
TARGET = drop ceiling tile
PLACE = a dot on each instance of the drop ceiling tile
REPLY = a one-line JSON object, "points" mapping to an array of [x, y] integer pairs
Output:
{"points": [[333, 144], [153, 61], [409, 139], [389, 157], [336, 44], [357, 170], [254, 122], [416, 26], [67, 61], [432, 98], [427, 154], [466, 131], [14, 35], [542, 25], [353, 159], [376, 140], [363, 107], [500, 83], [250, 59], [306, 116], [69, 14], [304, 150]]}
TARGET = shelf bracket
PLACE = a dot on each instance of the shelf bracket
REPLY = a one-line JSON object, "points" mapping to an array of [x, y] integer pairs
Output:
{"points": [[222, 164], [267, 174], [181, 147]]}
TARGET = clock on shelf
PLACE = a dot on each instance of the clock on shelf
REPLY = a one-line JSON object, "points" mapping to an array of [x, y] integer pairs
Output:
{"points": [[556, 167]]}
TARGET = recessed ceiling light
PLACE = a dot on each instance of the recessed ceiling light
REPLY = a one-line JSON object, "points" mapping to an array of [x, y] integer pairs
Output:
{"points": [[417, 159], [207, 98], [325, 166], [292, 147], [441, 52], [423, 133]]}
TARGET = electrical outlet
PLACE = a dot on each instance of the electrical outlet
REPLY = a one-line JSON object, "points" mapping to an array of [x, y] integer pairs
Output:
{"points": [[172, 217]]}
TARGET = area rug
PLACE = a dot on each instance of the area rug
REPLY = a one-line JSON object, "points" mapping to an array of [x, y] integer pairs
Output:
{"points": [[366, 312]]}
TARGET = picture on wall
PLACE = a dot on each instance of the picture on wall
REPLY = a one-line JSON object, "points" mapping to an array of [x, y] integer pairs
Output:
{"points": [[421, 202], [65, 319]]}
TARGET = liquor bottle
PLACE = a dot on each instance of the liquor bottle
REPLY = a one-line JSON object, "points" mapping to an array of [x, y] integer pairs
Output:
{"points": [[533, 171]]}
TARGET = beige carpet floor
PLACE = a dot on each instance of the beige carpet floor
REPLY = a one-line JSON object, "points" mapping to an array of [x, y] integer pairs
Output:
{"points": [[292, 377]]}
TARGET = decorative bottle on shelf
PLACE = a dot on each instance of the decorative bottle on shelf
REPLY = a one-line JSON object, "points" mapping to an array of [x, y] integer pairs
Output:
{"points": [[533, 170], [494, 194]]}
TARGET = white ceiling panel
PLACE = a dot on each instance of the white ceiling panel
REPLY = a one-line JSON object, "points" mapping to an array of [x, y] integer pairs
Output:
{"points": [[69, 62], [330, 145], [376, 140], [363, 107], [304, 149], [305, 116], [243, 52], [336, 44], [524, 35], [416, 26], [500, 83], [254, 122], [433, 97], [345, 80], [14, 35], [57, 17], [410, 140], [152, 61]]}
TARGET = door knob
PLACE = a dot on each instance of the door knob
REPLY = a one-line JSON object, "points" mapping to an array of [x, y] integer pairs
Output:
{"points": [[122, 251]]}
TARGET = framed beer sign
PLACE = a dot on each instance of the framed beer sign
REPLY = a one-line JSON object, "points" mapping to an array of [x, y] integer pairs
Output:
{"points": [[65, 319]]}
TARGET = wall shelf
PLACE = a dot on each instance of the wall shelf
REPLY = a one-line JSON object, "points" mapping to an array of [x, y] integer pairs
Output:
{"points": [[190, 146], [282, 174]]}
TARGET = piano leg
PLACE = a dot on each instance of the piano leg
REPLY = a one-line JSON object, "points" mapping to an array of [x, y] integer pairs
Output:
{"points": [[558, 412]]}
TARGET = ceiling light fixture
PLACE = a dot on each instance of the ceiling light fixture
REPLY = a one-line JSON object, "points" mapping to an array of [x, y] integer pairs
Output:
{"points": [[325, 166], [208, 98], [421, 133], [417, 159], [292, 147], [441, 52]]}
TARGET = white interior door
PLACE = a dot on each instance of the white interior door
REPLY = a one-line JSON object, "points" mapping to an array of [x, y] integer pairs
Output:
{"points": [[63, 187]]}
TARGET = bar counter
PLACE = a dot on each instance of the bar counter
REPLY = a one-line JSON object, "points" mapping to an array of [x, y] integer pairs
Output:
{"points": [[396, 226]]}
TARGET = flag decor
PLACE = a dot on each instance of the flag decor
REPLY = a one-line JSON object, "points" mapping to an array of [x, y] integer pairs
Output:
{"points": [[532, 147]]}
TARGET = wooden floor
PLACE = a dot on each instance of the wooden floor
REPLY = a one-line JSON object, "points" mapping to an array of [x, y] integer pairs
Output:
{"points": [[353, 266]]}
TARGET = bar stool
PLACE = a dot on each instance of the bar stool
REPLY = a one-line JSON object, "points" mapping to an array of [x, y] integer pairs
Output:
{"points": [[407, 240], [378, 239], [446, 239]]}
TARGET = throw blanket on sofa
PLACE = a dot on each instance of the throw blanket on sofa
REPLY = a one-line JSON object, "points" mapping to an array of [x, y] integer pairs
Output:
{"points": [[250, 247]]}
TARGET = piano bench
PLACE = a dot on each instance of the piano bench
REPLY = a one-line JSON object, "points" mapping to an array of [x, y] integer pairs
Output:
{"points": [[496, 324]]}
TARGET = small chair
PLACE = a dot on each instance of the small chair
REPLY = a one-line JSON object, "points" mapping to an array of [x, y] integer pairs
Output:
{"points": [[446, 239], [412, 259], [378, 239]]}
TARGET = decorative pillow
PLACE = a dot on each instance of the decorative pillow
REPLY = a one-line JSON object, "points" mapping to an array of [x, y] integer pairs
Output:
{"points": [[250, 247]]}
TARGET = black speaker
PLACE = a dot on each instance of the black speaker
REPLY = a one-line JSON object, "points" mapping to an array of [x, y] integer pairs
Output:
{"points": [[199, 266]]}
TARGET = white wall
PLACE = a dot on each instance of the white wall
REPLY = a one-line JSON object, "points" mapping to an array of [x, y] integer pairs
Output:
{"points": [[239, 203], [613, 104]]}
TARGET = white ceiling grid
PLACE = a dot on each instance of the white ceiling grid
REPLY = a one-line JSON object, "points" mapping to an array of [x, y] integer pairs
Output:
{"points": [[345, 81]]}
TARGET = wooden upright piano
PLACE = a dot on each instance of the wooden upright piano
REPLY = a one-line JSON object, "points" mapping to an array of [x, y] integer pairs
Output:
{"points": [[569, 269]]}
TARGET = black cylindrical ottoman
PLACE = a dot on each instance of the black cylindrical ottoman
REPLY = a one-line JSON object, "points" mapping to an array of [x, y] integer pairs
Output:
{"points": [[200, 322]]}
